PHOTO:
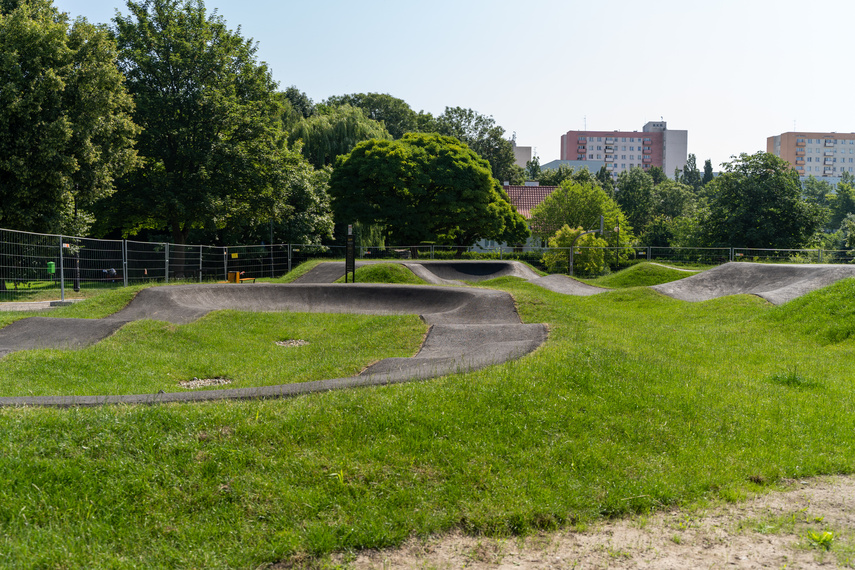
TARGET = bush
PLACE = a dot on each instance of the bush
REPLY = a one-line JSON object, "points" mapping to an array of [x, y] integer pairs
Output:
{"points": [[588, 257]]}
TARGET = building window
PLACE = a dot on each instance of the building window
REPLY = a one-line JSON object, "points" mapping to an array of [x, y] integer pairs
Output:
{"points": [[599, 147], [599, 156], [590, 156], [599, 139]]}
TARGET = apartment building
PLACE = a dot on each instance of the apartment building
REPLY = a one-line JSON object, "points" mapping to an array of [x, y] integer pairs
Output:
{"points": [[821, 155], [655, 145]]}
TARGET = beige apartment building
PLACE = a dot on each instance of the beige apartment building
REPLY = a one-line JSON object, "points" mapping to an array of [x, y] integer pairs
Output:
{"points": [[822, 155]]}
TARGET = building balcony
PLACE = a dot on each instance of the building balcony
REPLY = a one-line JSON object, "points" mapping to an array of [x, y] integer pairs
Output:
{"points": [[800, 161], [648, 159], [800, 143], [828, 153], [609, 148], [828, 161], [829, 142], [800, 152]]}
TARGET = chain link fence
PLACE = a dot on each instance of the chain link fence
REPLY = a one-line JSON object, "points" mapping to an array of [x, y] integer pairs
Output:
{"points": [[33, 265]]}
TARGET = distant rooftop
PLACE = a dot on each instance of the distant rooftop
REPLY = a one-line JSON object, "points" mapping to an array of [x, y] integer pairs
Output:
{"points": [[525, 198]]}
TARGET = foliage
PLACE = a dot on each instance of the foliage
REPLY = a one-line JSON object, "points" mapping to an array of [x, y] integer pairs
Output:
{"points": [[395, 114], [328, 135], [532, 169], [555, 176], [65, 119], [588, 257], [483, 136], [424, 187], [691, 175], [657, 174], [757, 202], [300, 102], [673, 199], [606, 180], [213, 146], [708, 172], [634, 195], [841, 204], [578, 204]]}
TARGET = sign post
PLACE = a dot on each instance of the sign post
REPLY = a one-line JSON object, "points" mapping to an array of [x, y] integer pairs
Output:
{"points": [[350, 256]]}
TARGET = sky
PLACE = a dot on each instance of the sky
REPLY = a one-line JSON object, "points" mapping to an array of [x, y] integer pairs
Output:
{"points": [[730, 72]]}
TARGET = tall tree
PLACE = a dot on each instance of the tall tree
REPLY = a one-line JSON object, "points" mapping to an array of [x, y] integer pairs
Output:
{"points": [[757, 202], [333, 132], [481, 134], [65, 119], [212, 144], [395, 114], [634, 195], [691, 175], [424, 187], [708, 172]]}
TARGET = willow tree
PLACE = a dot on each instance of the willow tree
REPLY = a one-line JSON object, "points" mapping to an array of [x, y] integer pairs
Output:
{"points": [[333, 132]]}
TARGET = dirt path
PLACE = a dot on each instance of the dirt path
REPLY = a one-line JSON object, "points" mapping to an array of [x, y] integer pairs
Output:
{"points": [[775, 530]]}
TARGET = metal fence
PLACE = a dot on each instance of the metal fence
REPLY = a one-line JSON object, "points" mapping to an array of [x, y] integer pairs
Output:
{"points": [[33, 263]]}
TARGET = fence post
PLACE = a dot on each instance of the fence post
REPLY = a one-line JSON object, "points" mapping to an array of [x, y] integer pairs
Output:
{"points": [[201, 268], [166, 262], [820, 255], [61, 272], [289, 258], [649, 251], [226, 263], [731, 254], [125, 261]]}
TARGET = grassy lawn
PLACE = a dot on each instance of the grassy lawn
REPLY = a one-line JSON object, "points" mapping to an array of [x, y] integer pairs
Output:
{"points": [[636, 402], [385, 273]]}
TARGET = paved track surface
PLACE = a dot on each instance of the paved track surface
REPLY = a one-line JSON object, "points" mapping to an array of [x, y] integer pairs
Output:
{"points": [[437, 272], [470, 328], [777, 283]]}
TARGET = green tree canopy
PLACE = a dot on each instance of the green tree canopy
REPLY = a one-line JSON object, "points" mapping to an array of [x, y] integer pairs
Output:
{"points": [[212, 144], [484, 136], [395, 114], [708, 172], [634, 195], [65, 119], [691, 175], [757, 202], [334, 132], [423, 187], [578, 205]]}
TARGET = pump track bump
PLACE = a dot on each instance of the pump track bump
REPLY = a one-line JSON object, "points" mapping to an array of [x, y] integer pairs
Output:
{"points": [[470, 328]]}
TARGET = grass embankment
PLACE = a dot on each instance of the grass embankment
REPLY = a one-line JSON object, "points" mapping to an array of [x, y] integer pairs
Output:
{"points": [[386, 273], [640, 275], [144, 357], [636, 402]]}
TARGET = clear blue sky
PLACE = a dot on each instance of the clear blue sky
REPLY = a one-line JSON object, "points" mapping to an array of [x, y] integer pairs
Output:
{"points": [[730, 72]]}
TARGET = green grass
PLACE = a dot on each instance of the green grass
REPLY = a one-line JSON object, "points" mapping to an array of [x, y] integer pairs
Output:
{"points": [[640, 275], [636, 402], [144, 357], [385, 273]]}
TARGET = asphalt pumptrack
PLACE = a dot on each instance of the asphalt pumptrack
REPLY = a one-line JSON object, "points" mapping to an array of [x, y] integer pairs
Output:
{"points": [[469, 327]]}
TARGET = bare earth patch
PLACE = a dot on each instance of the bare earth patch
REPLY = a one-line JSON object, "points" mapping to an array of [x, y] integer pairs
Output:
{"points": [[292, 342], [203, 382], [782, 529]]}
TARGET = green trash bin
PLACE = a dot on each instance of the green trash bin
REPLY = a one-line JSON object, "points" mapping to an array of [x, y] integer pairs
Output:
{"points": [[51, 267]]}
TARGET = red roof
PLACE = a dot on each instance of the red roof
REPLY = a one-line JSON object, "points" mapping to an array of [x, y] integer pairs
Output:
{"points": [[525, 198]]}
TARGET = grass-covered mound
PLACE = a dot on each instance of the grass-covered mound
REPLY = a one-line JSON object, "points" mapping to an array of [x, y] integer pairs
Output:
{"points": [[827, 314], [386, 273], [636, 402], [640, 275], [146, 356]]}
